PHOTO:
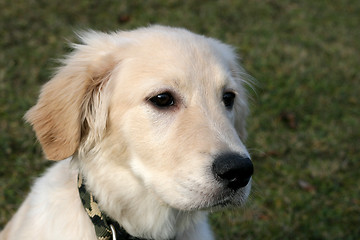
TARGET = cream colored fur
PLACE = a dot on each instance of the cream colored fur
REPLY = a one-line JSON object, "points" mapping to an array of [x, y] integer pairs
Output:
{"points": [[149, 168]]}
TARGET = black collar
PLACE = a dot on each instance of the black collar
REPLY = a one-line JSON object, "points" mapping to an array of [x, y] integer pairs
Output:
{"points": [[105, 227]]}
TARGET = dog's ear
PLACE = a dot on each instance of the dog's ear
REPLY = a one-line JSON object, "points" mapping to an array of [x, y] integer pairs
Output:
{"points": [[241, 78], [241, 102], [58, 116]]}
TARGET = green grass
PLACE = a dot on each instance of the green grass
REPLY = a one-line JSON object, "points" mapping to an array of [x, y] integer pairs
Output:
{"points": [[304, 129]]}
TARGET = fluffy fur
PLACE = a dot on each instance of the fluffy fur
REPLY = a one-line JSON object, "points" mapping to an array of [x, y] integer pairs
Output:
{"points": [[149, 168]]}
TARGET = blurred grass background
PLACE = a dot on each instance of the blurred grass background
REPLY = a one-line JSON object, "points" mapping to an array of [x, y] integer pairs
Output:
{"points": [[304, 129]]}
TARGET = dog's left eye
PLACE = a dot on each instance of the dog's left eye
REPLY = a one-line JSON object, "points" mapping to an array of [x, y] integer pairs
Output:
{"points": [[228, 99], [163, 100]]}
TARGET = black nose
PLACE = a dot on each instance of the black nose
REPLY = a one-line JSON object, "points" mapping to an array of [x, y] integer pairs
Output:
{"points": [[233, 170]]}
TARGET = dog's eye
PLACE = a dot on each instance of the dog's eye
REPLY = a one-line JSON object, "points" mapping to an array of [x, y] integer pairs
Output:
{"points": [[228, 99], [163, 100]]}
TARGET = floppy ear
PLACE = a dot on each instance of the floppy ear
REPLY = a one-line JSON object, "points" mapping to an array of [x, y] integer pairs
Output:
{"points": [[241, 102], [238, 73], [241, 107], [58, 116]]}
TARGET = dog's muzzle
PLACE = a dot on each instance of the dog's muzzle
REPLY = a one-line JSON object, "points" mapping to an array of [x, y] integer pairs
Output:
{"points": [[233, 170]]}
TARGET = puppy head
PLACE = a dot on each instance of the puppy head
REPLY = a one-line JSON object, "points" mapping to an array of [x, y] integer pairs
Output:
{"points": [[166, 103], [180, 105]]}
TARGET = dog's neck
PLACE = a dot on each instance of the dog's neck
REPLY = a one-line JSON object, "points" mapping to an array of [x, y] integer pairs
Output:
{"points": [[136, 208], [105, 227]]}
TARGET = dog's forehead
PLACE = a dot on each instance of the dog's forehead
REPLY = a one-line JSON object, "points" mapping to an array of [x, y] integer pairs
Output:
{"points": [[181, 60]]}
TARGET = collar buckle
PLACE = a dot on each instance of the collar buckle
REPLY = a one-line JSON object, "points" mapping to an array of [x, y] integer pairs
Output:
{"points": [[113, 232]]}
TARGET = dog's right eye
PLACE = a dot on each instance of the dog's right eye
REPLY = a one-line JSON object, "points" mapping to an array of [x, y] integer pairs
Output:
{"points": [[163, 100], [228, 99]]}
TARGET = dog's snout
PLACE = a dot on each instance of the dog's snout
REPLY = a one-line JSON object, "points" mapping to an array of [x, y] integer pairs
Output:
{"points": [[233, 170]]}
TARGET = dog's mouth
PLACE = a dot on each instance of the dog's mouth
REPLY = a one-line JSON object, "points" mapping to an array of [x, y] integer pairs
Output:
{"points": [[222, 203], [201, 196], [218, 201], [219, 204], [230, 199]]}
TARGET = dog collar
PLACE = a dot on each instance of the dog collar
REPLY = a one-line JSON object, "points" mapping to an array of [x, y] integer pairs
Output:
{"points": [[105, 227]]}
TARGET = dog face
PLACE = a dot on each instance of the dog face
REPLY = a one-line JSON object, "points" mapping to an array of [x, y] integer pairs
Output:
{"points": [[166, 105]]}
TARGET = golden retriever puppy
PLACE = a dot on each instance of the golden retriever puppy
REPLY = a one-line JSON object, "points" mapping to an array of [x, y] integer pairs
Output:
{"points": [[149, 126]]}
